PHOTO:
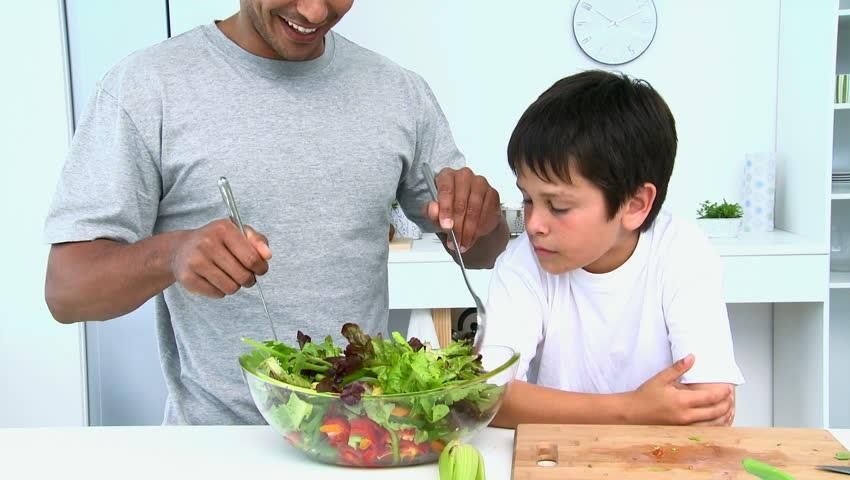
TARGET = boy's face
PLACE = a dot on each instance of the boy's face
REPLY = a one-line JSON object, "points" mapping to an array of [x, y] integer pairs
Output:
{"points": [[568, 223], [295, 29]]}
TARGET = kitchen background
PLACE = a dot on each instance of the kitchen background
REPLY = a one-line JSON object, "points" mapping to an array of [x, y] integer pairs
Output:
{"points": [[740, 77]]}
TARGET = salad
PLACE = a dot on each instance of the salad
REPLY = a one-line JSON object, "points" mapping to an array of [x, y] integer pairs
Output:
{"points": [[373, 402]]}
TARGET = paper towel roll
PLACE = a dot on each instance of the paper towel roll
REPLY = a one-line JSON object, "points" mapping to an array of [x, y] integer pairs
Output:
{"points": [[759, 191]]}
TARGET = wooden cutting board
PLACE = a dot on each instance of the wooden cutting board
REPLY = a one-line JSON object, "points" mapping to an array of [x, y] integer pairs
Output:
{"points": [[622, 452]]}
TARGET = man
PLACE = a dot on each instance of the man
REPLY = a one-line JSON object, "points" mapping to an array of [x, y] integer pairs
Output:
{"points": [[317, 136]]}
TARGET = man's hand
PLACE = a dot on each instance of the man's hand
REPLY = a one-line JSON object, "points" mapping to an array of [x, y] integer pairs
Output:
{"points": [[663, 400], [216, 259], [467, 204]]}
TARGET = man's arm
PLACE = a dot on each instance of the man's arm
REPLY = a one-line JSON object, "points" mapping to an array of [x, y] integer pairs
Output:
{"points": [[103, 279], [661, 400]]}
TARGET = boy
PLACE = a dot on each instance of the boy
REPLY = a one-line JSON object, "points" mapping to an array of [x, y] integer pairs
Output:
{"points": [[605, 291]]}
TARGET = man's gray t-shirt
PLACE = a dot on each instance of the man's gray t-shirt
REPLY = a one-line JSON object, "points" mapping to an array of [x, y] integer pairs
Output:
{"points": [[315, 153]]}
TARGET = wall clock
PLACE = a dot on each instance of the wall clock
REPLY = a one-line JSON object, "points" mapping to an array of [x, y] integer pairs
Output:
{"points": [[614, 32]]}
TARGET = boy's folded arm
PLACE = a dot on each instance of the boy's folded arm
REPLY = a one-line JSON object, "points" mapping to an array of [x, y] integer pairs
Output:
{"points": [[695, 313], [716, 389], [661, 400], [528, 403]]}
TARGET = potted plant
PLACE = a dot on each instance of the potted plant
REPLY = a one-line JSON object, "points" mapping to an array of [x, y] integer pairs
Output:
{"points": [[514, 216], [720, 220]]}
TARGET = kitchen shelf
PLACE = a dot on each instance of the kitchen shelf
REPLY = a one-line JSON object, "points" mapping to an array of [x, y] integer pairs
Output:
{"points": [[777, 242], [844, 18], [841, 192], [842, 106], [428, 249], [839, 280]]}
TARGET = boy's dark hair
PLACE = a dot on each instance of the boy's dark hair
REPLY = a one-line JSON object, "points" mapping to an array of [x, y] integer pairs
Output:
{"points": [[616, 131]]}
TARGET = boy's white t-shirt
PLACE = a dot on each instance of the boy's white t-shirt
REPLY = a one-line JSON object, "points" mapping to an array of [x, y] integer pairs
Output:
{"points": [[609, 333]]}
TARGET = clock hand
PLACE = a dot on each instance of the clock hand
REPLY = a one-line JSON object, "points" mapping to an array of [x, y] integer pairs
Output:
{"points": [[617, 22], [603, 16]]}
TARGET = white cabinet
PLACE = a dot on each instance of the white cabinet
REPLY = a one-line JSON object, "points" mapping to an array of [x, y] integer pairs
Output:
{"points": [[839, 299]]}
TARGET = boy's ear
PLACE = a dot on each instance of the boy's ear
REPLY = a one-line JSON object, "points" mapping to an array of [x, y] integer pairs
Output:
{"points": [[637, 208]]}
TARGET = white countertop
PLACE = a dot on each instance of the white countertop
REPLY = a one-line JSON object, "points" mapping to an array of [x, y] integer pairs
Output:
{"points": [[429, 249], [249, 452]]}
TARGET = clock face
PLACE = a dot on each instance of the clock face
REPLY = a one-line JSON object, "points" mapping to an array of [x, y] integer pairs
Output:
{"points": [[614, 32]]}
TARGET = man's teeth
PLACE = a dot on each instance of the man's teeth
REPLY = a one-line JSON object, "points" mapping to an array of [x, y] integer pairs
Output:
{"points": [[299, 28]]}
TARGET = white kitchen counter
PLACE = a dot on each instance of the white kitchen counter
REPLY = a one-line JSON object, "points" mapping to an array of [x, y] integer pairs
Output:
{"points": [[250, 452]]}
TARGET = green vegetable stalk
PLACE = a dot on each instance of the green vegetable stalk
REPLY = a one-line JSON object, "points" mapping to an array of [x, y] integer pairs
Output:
{"points": [[764, 471], [461, 462]]}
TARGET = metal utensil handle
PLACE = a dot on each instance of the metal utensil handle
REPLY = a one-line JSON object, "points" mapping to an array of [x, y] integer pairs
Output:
{"points": [[233, 212], [230, 203], [432, 186], [482, 315]]}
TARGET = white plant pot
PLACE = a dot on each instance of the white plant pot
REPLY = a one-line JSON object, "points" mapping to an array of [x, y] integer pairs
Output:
{"points": [[514, 216], [720, 227], [404, 228]]}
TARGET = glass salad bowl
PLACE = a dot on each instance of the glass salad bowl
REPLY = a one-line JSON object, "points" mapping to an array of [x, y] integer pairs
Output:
{"points": [[382, 430]]}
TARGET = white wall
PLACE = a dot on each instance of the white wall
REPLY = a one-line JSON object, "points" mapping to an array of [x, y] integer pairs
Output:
{"points": [[716, 70], [41, 366], [714, 62]]}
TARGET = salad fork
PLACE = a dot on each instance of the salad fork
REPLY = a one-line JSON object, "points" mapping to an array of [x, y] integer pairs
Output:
{"points": [[478, 335]]}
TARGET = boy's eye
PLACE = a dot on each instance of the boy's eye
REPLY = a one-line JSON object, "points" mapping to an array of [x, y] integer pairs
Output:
{"points": [[558, 210]]}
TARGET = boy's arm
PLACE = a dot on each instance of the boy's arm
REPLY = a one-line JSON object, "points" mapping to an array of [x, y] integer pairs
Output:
{"points": [[727, 419], [661, 400], [695, 312]]}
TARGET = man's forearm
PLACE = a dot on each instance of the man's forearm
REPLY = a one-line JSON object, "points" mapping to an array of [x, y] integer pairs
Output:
{"points": [[528, 403], [484, 252], [104, 279]]}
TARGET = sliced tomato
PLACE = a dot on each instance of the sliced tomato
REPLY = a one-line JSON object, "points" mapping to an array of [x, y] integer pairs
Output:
{"points": [[370, 433], [385, 456], [350, 456], [337, 430], [407, 434], [408, 450], [377, 456]]}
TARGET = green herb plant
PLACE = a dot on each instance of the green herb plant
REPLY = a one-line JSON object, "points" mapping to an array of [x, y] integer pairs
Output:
{"points": [[725, 209]]}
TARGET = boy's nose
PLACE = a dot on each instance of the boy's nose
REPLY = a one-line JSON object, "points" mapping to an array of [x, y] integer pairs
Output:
{"points": [[535, 224]]}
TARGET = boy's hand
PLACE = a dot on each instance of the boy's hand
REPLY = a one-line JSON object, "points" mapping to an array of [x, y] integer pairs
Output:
{"points": [[662, 400], [467, 204], [726, 420]]}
